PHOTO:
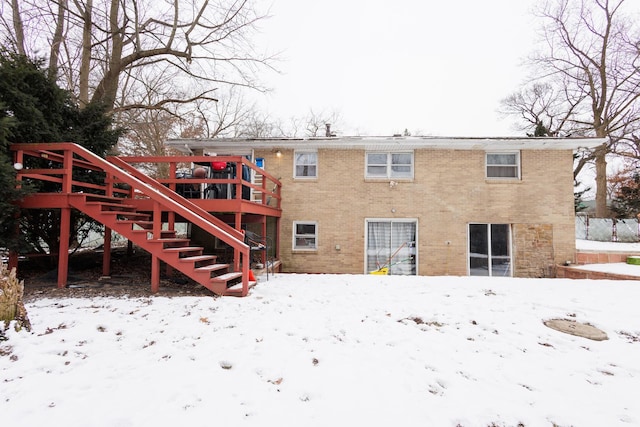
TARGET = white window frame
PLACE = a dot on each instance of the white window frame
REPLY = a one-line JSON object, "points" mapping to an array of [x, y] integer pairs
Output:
{"points": [[389, 173], [296, 164], [296, 236], [517, 165]]}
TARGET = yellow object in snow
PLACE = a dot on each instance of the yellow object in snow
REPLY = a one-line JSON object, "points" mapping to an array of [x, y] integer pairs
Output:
{"points": [[381, 271]]}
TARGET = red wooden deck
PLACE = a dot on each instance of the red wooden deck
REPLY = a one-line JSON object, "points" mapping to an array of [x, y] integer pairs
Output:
{"points": [[145, 210]]}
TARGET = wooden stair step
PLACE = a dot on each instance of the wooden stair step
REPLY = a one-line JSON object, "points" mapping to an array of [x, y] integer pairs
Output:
{"points": [[212, 267], [199, 258], [145, 225], [165, 235], [88, 197], [227, 277], [185, 249], [112, 205], [173, 241], [128, 215], [236, 290]]}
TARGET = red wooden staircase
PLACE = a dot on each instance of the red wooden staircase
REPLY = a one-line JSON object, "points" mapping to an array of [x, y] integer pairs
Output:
{"points": [[176, 252], [145, 229]]}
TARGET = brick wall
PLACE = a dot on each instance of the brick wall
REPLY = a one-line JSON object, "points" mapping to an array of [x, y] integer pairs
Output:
{"points": [[449, 190], [574, 273]]}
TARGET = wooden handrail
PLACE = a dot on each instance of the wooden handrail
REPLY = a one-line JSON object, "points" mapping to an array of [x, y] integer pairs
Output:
{"points": [[174, 196]]}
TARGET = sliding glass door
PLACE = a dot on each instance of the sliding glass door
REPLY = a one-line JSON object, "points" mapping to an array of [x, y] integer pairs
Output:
{"points": [[489, 250], [391, 244]]}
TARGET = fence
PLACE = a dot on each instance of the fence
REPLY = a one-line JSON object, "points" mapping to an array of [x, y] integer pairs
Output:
{"points": [[607, 229]]}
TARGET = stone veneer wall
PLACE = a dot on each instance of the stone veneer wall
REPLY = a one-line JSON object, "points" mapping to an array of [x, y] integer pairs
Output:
{"points": [[533, 250]]}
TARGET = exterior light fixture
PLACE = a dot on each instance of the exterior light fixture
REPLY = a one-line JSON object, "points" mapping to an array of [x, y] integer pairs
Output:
{"points": [[18, 166], [278, 153]]}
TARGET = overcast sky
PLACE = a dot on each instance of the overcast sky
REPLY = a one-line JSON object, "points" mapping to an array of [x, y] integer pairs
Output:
{"points": [[432, 67]]}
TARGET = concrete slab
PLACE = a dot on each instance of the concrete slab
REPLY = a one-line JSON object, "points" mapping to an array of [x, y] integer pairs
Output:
{"points": [[576, 328]]}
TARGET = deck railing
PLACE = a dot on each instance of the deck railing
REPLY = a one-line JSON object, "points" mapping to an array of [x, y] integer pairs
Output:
{"points": [[264, 188]]}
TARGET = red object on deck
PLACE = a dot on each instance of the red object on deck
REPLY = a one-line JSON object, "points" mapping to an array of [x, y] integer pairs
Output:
{"points": [[219, 166]]}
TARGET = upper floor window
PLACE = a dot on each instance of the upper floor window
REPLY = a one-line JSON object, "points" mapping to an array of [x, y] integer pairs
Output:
{"points": [[305, 164], [503, 165], [305, 235], [389, 165]]}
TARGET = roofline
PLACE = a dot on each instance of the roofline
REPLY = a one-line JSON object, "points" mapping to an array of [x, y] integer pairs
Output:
{"points": [[388, 143]]}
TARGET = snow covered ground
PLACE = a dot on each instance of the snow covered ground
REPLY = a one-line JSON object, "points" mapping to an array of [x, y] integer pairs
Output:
{"points": [[331, 350]]}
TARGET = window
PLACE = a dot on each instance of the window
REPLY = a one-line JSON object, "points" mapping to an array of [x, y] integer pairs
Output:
{"points": [[391, 244], [389, 165], [305, 235], [305, 164], [490, 250], [503, 165]]}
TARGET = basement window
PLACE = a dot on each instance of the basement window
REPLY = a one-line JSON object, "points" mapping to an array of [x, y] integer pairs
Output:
{"points": [[305, 235]]}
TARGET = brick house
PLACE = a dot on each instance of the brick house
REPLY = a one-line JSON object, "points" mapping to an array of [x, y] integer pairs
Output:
{"points": [[418, 205]]}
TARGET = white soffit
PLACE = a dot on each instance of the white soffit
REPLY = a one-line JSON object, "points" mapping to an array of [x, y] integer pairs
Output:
{"points": [[238, 146]]}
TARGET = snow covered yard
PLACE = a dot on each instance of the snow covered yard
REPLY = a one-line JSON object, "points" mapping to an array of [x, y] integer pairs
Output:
{"points": [[331, 350]]}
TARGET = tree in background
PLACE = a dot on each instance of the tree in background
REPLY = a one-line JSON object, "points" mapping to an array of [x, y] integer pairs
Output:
{"points": [[112, 52], [39, 111], [10, 194], [586, 80], [624, 191]]}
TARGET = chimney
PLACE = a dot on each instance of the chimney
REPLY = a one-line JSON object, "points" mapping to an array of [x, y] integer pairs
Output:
{"points": [[328, 131]]}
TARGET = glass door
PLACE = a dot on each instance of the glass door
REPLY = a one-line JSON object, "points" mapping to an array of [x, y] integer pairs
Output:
{"points": [[489, 250], [391, 244]]}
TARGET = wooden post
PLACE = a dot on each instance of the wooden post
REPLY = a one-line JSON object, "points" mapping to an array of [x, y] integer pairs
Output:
{"points": [[157, 220], [155, 274], [155, 261], [65, 222], [277, 240], [264, 256], [106, 255], [63, 251], [171, 226], [236, 252]]}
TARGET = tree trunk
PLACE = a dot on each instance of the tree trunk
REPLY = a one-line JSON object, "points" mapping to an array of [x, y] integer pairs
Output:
{"points": [[601, 184], [57, 40], [107, 89], [85, 62], [18, 28]]}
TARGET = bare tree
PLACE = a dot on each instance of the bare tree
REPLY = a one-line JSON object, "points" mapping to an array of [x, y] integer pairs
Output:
{"points": [[149, 128], [316, 122], [147, 131], [259, 125], [586, 78], [540, 104], [99, 49]]}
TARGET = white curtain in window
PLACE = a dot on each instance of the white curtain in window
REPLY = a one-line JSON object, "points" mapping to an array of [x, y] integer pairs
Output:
{"points": [[403, 238], [391, 244]]}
